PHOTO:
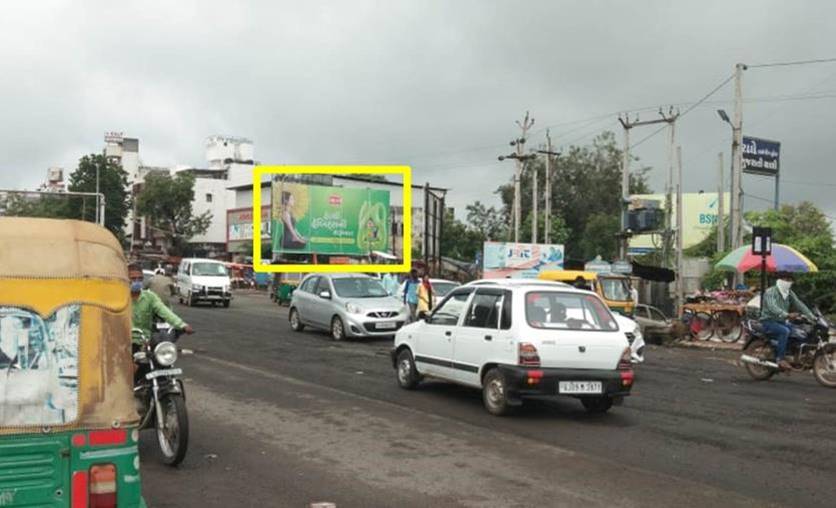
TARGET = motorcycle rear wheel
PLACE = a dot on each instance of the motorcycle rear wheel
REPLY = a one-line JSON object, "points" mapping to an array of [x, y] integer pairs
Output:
{"points": [[761, 350], [824, 367], [174, 437]]}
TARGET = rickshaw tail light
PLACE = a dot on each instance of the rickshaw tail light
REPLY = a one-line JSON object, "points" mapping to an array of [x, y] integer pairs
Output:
{"points": [[108, 437], [79, 490], [103, 486]]}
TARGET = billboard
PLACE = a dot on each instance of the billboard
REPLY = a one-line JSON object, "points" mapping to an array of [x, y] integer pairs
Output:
{"points": [[239, 228], [520, 260], [699, 215], [318, 219], [761, 156]]}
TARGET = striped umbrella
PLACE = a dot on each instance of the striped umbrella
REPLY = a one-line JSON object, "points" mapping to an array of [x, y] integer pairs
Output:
{"points": [[783, 259]]}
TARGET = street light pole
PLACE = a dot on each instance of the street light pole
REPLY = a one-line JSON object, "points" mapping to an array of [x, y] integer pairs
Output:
{"points": [[548, 210]]}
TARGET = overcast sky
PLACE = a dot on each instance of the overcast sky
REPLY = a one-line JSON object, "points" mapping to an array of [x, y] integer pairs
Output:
{"points": [[435, 85]]}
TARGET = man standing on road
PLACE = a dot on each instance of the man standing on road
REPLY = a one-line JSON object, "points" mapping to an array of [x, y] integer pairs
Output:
{"points": [[410, 293], [162, 285], [146, 305], [779, 305]]}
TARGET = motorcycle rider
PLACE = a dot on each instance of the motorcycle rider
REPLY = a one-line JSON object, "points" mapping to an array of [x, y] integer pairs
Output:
{"points": [[146, 305], [780, 304]]}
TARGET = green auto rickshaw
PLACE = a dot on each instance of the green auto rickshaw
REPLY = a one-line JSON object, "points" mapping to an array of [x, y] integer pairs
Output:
{"points": [[68, 422]]}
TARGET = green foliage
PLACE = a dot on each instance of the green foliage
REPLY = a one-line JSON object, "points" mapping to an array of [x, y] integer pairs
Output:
{"points": [[586, 184], [166, 202], [459, 241], [489, 220], [47, 206], [113, 183]]}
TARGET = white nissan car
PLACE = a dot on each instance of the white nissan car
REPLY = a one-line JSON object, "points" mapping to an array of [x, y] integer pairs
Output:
{"points": [[517, 340]]}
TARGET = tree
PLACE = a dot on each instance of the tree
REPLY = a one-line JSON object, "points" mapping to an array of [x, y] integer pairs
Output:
{"points": [[113, 183], [586, 181], [599, 236], [166, 202], [490, 221], [22, 205], [458, 241]]}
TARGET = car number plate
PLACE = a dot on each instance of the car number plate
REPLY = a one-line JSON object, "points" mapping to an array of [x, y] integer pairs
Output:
{"points": [[579, 387], [164, 372], [388, 325]]}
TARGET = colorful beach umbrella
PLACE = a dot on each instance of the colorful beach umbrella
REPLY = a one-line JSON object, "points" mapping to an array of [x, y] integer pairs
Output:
{"points": [[783, 259]]}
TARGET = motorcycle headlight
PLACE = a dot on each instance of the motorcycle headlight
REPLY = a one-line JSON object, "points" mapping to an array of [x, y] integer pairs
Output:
{"points": [[165, 353], [353, 309]]}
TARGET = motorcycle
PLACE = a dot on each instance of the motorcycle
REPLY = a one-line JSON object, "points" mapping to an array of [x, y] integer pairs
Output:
{"points": [[809, 347], [159, 394]]}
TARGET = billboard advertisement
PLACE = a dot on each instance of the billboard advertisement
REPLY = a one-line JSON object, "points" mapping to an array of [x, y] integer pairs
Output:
{"points": [[239, 228], [318, 219], [761, 156], [520, 260], [699, 215]]}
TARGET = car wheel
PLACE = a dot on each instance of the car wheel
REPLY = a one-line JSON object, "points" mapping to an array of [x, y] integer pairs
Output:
{"points": [[295, 322], [337, 329], [408, 377], [495, 393], [597, 405]]}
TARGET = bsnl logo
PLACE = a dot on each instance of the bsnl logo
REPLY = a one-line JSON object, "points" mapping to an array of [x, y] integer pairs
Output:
{"points": [[708, 219]]}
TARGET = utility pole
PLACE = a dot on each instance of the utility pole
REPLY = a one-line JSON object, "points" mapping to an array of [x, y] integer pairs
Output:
{"points": [[534, 199], [670, 119], [721, 220], [737, 161], [548, 210], [521, 158], [680, 283]]}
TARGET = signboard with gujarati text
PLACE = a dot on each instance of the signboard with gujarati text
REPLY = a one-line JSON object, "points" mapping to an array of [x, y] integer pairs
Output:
{"points": [[761, 156]]}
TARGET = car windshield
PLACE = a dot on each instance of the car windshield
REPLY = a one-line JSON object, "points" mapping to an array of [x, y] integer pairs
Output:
{"points": [[567, 311], [442, 288], [359, 287], [615, 289], [209, 269]]}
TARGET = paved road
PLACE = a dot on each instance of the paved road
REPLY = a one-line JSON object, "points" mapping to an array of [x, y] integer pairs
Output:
{"points": [[280, 418]]}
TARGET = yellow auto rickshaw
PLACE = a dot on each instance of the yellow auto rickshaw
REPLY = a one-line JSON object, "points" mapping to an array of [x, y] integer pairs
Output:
{"points": [[612, 287], [67, 414]]}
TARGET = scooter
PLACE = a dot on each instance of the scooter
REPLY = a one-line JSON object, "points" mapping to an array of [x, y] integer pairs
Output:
{"points": [[809, 347]]}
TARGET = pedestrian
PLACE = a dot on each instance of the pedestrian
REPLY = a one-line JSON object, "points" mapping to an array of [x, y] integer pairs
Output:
{"points": [[410, 294], [162, 285], [425, 295], [580, 283], [634, 294]]}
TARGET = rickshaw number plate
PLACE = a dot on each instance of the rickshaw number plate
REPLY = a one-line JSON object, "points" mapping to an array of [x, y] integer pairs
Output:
{"points": [[164, 372]]}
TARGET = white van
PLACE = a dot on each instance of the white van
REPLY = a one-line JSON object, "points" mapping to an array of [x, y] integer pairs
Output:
{"points": [[203, 280]]}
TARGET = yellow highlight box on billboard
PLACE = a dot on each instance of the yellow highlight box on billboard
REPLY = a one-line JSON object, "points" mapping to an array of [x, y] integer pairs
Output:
{"points": [[406, 175]]}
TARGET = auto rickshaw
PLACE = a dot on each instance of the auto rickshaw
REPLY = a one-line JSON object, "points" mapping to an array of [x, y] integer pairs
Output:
{"points": [[284, 285], [67, 414], [612, 287]]}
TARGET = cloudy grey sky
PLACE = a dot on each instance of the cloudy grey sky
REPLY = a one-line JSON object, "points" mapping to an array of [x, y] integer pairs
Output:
{"points": [[433, 84]]}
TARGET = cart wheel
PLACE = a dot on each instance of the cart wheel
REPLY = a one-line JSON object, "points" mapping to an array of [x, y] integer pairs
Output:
{"points": [[728, 326], [701, 326]]}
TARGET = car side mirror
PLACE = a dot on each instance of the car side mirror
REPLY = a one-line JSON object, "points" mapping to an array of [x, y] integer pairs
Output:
{"points": [[325, 295], [424, 315]]}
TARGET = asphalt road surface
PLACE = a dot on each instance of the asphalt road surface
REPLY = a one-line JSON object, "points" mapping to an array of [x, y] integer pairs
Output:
{"points": [[280, 418]]}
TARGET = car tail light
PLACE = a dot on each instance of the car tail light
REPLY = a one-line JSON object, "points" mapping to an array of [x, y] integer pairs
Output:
{"points": [[528, 355], [626, 361], [103, 486]]}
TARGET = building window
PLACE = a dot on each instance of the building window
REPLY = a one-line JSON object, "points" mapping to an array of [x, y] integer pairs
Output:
{"points": [[208, 198]]}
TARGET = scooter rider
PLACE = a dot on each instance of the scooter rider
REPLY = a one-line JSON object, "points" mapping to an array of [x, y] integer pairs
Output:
{"points": [[780, 304], [146, 305]]}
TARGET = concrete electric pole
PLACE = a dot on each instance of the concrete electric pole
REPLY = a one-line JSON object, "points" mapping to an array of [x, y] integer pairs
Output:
{"points": [[535, 215], [520, 158], [680, 268], [721, 219], [670, 119], [736, 239], [548, 209]]}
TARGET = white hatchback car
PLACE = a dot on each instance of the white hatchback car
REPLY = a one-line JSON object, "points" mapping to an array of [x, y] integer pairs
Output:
{"points": [[515, 341]]}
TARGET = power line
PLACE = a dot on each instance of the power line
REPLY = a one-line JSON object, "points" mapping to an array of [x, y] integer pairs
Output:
{"points": [[793, 62]]}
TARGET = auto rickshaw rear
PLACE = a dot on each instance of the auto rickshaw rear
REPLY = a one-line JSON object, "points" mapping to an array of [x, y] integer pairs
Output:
{"points": [[67, 414]]}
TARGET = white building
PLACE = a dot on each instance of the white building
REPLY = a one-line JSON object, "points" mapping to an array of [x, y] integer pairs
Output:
{"points": [[54, 181]]}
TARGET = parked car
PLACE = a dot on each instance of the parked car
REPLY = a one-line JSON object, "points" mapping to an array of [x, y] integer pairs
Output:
{"points": [[653, 322], [632, 330], [440, 289], [346, 305], [515, 341], [203, 280]]}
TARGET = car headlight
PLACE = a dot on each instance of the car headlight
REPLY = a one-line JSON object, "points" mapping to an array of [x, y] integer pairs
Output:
{"points": [[165, 353], [197, 287], [353, 309]]}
